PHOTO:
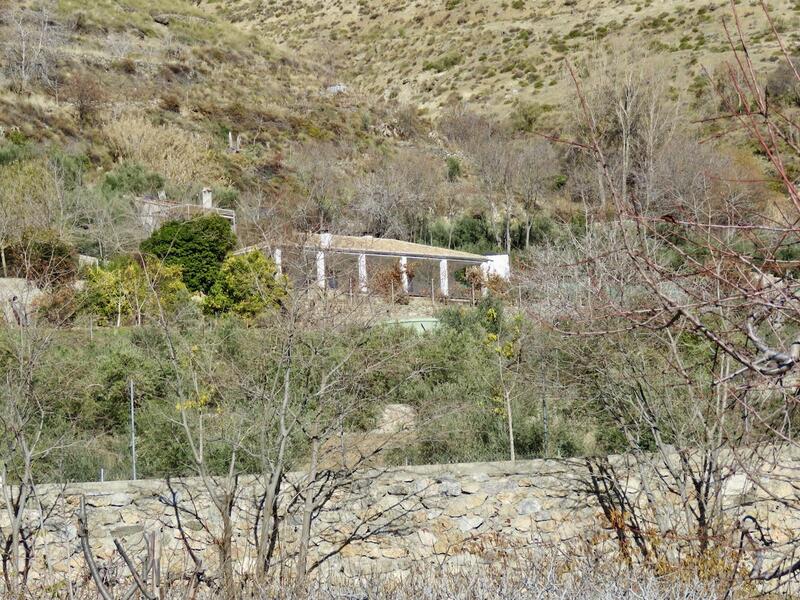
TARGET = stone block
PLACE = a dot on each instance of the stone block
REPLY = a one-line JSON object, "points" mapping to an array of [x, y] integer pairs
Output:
{"points": [[394, 552], [465, 504], [450, 488], [471, 487], [528, 507], [469, 523]]}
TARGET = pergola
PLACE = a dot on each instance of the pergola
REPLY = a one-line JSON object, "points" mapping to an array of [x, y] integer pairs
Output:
{"points": [[324, 246]]}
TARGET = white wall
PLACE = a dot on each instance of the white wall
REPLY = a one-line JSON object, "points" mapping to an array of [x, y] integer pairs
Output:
{"points": [[498, 264]]}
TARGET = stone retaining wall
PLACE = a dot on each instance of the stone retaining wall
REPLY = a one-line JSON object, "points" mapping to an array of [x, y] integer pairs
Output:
{"points": [[383, 521]]}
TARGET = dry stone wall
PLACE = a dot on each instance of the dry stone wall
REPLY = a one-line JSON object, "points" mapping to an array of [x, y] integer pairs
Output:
{"points": [[381, 521]]}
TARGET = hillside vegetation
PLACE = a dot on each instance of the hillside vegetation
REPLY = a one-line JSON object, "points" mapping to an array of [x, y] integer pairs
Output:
{"points": [[497, 55]]}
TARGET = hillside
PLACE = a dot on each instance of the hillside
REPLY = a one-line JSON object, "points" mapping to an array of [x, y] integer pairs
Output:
{"points": [[163, 84], [497, 54]]}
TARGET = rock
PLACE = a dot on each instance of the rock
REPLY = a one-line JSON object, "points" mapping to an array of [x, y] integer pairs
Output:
{"points": [[162, 20], [119, 500], [470, 487], [398, 489], [394, 552], [469, 523], [426, 538], [395, 418], [528, 507], [451, 488], [522, 523], [464, 504], [127, 531], [336, 89]]}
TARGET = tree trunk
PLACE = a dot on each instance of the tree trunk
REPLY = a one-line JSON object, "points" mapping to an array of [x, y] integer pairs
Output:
{"points": [[226, 551], [528, 227], [308, 509], [510, 418], [508, 232]]}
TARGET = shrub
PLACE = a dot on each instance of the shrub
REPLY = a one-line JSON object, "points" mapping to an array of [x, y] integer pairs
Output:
{"points": [[170, 103], [443, 63], [133, 288], [407, 121], [528, 115], [59, 306], [126, 65], [453, 168], [469, 233], [43, 257], [389, 282], [12, 152], [197, 246], [87, 94], [69, 167], [226, 197], [131, 178], [782, 83], [247, 286]]}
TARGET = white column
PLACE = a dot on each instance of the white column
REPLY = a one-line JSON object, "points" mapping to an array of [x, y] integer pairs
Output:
{"points": [[208, 198], [321, 269], [404, 273], [486, 269], [362, 273], [276, 258], [444, 279]]}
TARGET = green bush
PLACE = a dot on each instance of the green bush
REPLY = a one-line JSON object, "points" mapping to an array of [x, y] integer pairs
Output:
{"points": [[247, 285], [70, 167], [528, 115], [197, 246], [474, 234], [131, 289], [129, 178], [226, 197], [10, 153], [453, 168], [443, 63]]}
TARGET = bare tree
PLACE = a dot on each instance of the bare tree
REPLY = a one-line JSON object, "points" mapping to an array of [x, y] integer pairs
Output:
{"points": [[396, 199], [535, 177], [708, 286], [25, 443], [32, 47]]}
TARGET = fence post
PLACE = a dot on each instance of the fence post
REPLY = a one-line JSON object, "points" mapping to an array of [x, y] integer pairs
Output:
{"points": [[133, 434]]}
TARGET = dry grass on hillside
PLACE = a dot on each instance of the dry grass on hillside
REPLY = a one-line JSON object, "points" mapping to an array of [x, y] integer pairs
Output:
{"points": [[498, 54]]}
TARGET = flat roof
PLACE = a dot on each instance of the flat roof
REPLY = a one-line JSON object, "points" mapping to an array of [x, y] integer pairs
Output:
{"points": [[351, 244]]}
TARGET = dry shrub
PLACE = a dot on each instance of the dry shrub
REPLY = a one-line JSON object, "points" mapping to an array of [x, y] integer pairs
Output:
{"points": [[389, 282], [408, 122], [59, 306], [521, 577], [86, 92], [170, 103], [181, 157], [126, 65]]}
